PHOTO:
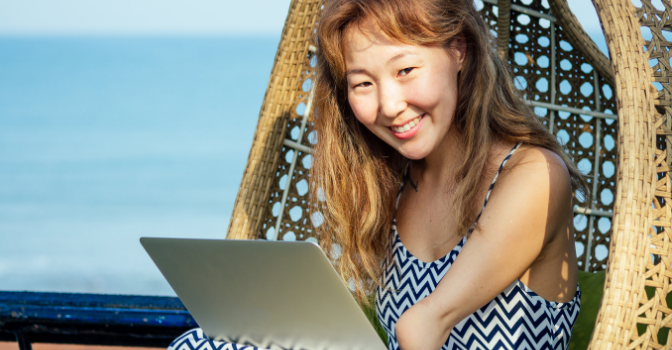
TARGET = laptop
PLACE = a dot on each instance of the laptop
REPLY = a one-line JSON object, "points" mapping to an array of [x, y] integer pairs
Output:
{"points": [[270, 294]]}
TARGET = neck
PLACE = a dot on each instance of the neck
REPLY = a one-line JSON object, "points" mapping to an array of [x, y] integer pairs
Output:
{"points": [[440, 166]]}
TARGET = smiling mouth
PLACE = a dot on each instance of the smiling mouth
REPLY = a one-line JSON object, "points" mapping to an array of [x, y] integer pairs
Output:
{"points": [[408, 126]]}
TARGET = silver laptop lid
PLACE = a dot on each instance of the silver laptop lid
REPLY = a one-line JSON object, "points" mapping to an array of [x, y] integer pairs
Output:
{"points": [[269, 294]]}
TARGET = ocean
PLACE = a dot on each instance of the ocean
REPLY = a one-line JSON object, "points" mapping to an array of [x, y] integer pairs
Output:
{"points": [[104, 140]]}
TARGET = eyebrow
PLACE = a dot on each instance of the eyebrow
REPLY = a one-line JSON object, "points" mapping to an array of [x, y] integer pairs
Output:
{"points": [[396, 57], [355, 71], [402, 54]]}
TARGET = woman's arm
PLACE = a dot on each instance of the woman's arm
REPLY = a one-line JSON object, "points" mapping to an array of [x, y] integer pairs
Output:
{"points": [[526, 208]]}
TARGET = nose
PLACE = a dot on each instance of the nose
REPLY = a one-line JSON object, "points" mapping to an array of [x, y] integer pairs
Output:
{"points": [[392, 101]]}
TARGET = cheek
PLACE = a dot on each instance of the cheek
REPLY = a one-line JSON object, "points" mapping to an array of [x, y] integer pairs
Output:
{"points": [[432, 93], [364, 109]]}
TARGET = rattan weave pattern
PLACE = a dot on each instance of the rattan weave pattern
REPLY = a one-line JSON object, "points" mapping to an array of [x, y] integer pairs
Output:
{"points": [[488, 14], [503, 23], [284, 93], [549, 67], [580, 86], [578, 36], [529, 56], [556, 64], [630, 249], [654, 312], [294, 224], [604, 185], [535, 52]]}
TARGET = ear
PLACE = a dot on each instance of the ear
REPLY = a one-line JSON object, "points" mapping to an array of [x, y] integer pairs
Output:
{"points": [[460, 47]]}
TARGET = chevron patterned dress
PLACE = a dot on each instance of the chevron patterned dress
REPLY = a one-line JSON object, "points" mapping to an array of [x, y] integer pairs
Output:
{"points": [[195, 339], [516, 319]]}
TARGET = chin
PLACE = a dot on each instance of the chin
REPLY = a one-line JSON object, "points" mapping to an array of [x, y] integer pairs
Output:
{"points": [[416, 148], [414, 154]]}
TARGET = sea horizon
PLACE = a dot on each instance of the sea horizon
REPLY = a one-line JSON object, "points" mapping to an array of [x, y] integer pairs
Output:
{"points": [[107, 139]]}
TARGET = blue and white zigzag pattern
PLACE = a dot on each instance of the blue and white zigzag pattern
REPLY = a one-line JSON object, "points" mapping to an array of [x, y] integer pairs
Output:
{"points": [[195, 339], [517, 318]]}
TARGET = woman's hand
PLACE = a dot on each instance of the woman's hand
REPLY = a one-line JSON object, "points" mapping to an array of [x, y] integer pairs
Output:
{"points": [[422, 327]]}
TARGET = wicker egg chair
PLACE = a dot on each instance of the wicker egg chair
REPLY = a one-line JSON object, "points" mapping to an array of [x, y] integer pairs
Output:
{"points": [[634, 313], [623, 229]]}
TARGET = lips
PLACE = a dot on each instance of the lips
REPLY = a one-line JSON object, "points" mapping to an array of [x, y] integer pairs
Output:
{"points": [[407, 130], [407, 126]]}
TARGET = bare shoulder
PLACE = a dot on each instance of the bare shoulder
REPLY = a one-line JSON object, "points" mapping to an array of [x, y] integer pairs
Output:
{"points": [[539, 166], [527, 213], [532, 157], [537, 183]]}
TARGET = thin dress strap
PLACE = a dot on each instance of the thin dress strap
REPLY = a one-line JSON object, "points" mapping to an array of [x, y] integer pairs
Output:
{"points": [[402, 181], [404, 176], [492, 185]]}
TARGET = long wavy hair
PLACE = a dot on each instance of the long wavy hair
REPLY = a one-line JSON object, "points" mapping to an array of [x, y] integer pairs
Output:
{"points": [[356, 175]]}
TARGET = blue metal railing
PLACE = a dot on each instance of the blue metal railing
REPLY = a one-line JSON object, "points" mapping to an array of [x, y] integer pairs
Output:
{"points": [[93, 319]]}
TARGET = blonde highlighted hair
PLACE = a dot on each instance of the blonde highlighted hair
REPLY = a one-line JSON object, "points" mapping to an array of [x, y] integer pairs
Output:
{"points": [[358, 174]]}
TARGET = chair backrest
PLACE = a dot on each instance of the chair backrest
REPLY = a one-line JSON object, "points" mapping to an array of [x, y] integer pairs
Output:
{"points": [[634, 313], [271, 201], [568, 82], [574, 89], [560, 71]]}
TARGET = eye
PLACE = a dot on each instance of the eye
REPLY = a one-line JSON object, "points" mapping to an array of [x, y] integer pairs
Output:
{"points": [[405, 71], [364, 84]]}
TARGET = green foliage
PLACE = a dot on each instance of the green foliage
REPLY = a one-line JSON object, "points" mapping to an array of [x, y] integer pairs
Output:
{"points": [[591, 285], [370, 311], [664, 331]]}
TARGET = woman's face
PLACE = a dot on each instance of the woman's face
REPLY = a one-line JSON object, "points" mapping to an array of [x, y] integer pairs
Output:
{"points": [[405, 94]]}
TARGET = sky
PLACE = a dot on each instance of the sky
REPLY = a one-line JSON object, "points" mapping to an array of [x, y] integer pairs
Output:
{"points": [[142, 17], [169, 17]]}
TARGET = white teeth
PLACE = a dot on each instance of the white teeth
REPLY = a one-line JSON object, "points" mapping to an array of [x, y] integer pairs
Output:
{"points": [[407, 126]]}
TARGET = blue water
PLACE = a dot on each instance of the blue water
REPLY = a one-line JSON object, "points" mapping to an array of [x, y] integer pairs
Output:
{"points": [[105, 140]]}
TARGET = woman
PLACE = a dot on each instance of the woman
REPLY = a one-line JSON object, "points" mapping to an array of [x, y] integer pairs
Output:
{"points": [[417, 120], [413, 89]]}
